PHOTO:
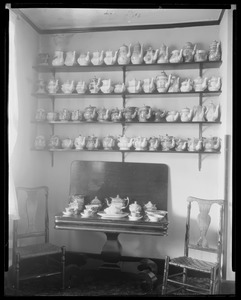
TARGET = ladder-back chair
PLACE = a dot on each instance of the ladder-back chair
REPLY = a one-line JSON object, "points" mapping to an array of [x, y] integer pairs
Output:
{"points": [[31, 237], [189, 264]]}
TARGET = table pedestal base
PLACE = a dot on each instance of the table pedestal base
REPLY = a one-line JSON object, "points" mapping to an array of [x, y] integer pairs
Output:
{"points": [[111, 251]]}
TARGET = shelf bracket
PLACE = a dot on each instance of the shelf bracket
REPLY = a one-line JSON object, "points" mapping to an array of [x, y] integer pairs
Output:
{"points": [[199, 161], [124, 127], [52, 158]]}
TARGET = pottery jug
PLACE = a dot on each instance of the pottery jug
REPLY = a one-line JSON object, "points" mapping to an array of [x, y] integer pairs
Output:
{"points": [[174, 84], [214, 51], [54, 142], [97, 58], [92, 143], [186, 85], [137, 54], [186, 114], [58, 59], [212, 112], [148, 85], [176, 56], [151, 56], [144, 113], [67, 143], [103, 114], [94, 85], [167, 142], [41, 87], [200, 84], [140, 143], [124, 55], [70, 59], [181, 145], [200, 55], [53, 86], [40, 142], [119, 88], [81, 87], [194, 144], [124, 142], [163, 55], [160, 116], [199, 113], [107, 87], [214, 84], [110, 57], [76, 115], [134, 86], [64, 115], [116, 115], [172, 116], [108, 142], [84, 59], [68, 87], [43, 59], [79, 142], [40, 115], [129, 113], [90, 113], [211, 144], [163, 82], [189, 51], [118, 202], [154, 143]]}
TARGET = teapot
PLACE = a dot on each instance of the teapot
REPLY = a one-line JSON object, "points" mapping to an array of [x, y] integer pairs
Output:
{"points": [[97, 58], [150, 206], [181, 144], [163, 82], [124, 55], [125, 143], [200, 84], [94, 85], [103, 114], [135, 207], [116, 115], [43, 59], [64, 115], [108, 142], [174, 84], [110, 57], [70, 58], [53, 86], [107, 87], [199, 113], [211, 144], [148, 85], [154, 143], [84, 59], [76, 115], [200, 55], [186, 114], [160, 116], [40, 142], [176, 56], [118, 202], [119, 88], [79, 142], [137, 54], [81, 87], [189, 51], [90, 113], [134, 86], [163, 55], [194, 144], [214, 84], [212, 112], [172, 116], [40, 115], [151, 56], [129, 113], [54, 142], [140, 143], [214, 51], [67, 143], [58, 59], [167, 142], [186, 85], [68, 87], [92, 142], [52, 116], [41, 87], [144, 113]]}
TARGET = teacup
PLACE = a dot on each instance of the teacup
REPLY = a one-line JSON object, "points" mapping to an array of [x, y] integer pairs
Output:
{"points": [[92, 207], [113, 210], [135, 214], [87, 213]]}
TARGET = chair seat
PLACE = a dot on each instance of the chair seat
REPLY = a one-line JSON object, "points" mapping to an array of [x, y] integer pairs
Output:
{"points": [[37, 250], [191, 263]]}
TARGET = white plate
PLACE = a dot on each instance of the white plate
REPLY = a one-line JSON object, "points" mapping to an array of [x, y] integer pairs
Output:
{"points": [[112, 216], [134, 218], [67, 213]]}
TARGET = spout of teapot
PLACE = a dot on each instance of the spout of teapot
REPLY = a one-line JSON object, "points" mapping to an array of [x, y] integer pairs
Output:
{"points": [[194, 49], [115, 57], [156, 54], [127, 201], [107, 201], [180, 55], [129, 51], [169, 81]]}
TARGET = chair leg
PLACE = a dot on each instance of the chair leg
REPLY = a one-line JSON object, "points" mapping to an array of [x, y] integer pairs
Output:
{"points": [[165, 275], [17, 271], [63, 267]]}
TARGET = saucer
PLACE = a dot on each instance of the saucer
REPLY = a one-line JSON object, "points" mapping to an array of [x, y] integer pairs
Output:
{"points": [[85, 216], [65, 213], [134, 218], [112, 216]]}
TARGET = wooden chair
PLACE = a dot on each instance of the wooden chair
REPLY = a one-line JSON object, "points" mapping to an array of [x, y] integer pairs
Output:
{"points": [[188, 264], [31, 237]]}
